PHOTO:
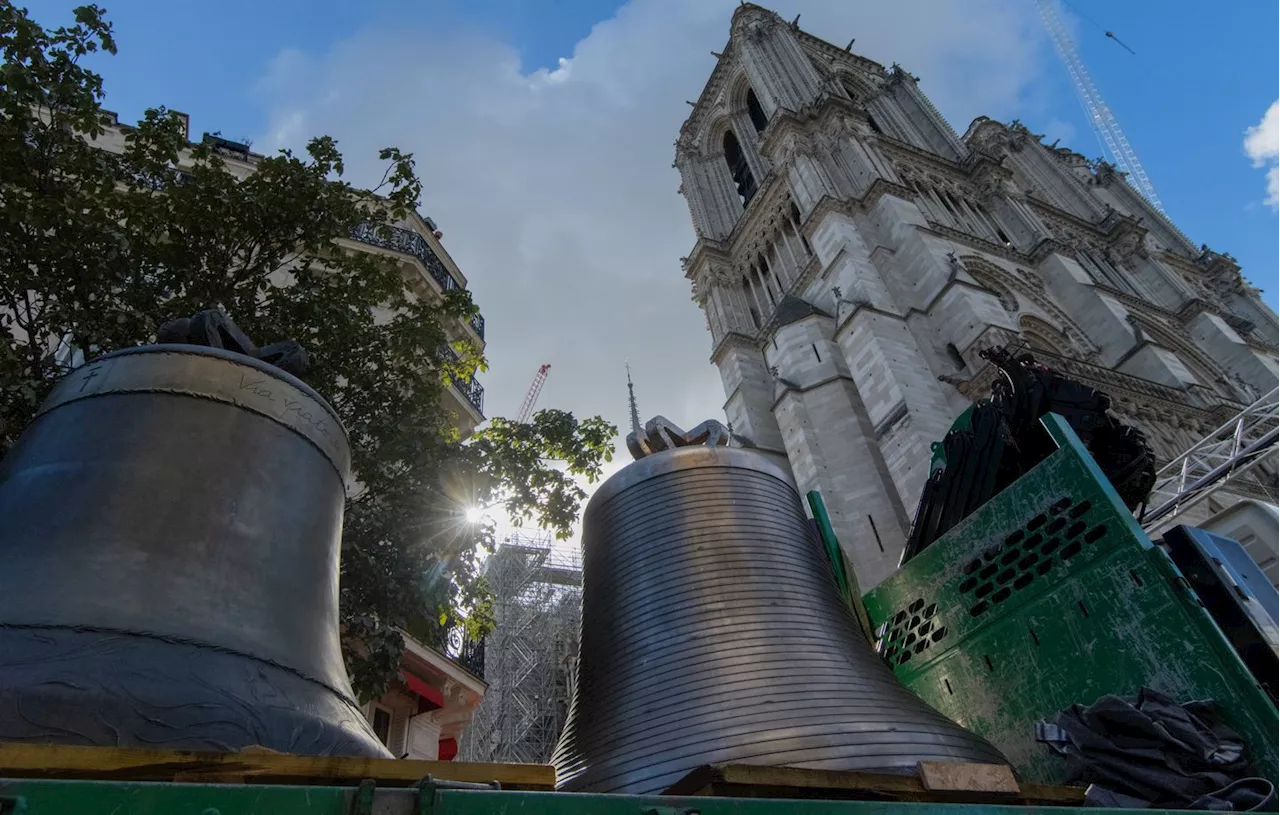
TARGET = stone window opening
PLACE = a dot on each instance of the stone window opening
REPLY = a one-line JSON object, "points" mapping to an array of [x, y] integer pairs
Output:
{"points": [[968, 216], [856, 94], [956, 358], [381, 721], [738, 167], [816, 355], [795, 223], [992, 223], [750, 296], [1102, 271], [772, 290], [758, 119], [946, 202]]}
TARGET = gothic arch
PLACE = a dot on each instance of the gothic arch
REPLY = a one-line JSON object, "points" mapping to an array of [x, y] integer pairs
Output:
{"points": [[737, 98], [1077, 341], [736, 157], [710, 142], [1008, 300], [857, 88], [755, 112], [1042, 336]]}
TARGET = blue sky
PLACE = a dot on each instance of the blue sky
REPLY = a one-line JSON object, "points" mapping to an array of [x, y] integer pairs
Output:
{"points": [[204, 59], [1219, 63], [553, 182]]}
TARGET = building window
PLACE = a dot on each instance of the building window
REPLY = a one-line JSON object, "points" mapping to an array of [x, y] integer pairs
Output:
{"points": [[382, 724], [795, 219], [758, 119], [875, 127], [737, 160], [956, 359], [1101, 270]]}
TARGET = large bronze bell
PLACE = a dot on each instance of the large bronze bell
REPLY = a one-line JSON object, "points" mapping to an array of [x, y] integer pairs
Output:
{"points": [[712, 632], [169, 533]]}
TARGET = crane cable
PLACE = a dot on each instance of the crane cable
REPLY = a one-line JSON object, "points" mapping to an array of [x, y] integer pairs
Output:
{"points": [[1096, 24]]}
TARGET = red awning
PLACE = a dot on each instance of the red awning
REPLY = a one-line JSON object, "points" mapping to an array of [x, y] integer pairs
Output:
{"points": [[429, 698], [448, 749]]}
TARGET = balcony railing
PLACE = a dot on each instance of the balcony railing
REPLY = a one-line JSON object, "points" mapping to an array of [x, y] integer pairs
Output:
{"points": [[409, 242], [472, 391], [471, 656]]}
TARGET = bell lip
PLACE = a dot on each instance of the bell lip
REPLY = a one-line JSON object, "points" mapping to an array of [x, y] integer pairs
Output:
{"points": [[339, 456], [687, 458], [229, 356]]}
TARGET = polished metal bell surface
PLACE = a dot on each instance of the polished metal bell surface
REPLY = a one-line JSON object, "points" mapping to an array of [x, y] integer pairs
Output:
{"points": [[713, 632], [169, 561]]}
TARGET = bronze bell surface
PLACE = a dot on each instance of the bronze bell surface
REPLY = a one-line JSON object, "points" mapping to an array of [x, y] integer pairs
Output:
{"points": [[713, 632], [169, 561]]}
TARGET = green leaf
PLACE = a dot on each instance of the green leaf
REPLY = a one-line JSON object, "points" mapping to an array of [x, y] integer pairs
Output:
{"points": [[97, 249]]}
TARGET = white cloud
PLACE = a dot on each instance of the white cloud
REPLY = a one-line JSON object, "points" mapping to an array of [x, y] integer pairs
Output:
{"points": [[555, 189], [1273, 186], [1262, 144], [544, 77], [1262, 141]]}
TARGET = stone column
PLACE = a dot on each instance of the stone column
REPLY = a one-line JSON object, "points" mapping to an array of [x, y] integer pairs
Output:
{"points": [[748, 389], [780, 72], [832, 448], [713, 200], [937, 131]]}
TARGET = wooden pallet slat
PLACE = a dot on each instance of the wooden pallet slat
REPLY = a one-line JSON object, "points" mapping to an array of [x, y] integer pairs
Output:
{"points": [[259, 767], [952, 782]]}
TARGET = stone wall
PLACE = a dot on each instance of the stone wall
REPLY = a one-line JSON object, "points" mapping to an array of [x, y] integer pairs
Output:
{"points": [[920, 248]]}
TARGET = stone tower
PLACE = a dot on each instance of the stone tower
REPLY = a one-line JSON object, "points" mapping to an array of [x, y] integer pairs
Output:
{"points": [[855, 254]]}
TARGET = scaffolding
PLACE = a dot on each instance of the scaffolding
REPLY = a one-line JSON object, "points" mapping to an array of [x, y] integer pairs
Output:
{"points": [[531, 654], [1241, 453]]}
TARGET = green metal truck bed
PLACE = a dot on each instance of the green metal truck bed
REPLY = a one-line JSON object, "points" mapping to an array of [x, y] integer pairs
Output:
{"points": [[45, 797], [1051, 595]]}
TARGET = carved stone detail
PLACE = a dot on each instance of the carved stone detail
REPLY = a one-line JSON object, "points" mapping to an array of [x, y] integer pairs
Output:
{"points": [[979, 268]]}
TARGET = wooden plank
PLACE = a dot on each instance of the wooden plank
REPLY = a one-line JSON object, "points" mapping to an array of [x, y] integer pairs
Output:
{"points": [[883, 783], [120, 763], [956, 776], [751, 781]]}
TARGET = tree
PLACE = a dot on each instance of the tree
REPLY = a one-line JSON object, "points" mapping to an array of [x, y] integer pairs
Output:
{"points": [[100, 247]]}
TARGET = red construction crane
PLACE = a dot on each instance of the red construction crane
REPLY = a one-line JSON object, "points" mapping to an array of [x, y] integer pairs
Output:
{"points": [[531, 398]]}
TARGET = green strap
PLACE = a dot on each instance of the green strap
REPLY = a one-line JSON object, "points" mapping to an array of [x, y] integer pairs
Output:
{"points": [[846, 580]]}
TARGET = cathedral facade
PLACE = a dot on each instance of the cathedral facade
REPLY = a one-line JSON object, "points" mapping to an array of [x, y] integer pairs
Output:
{"points": [[855, 254]]}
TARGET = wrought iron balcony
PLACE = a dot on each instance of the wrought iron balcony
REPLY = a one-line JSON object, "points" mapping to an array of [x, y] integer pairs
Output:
{"points": [[472, 391], [411, 243], [471, 656]]}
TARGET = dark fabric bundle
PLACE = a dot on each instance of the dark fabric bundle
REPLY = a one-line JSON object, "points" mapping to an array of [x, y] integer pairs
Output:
{"points": [[1151, 751]]}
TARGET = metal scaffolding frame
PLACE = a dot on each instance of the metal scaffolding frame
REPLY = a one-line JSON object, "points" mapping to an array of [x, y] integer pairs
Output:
{"points": [[531, 654], [1242, 450]]}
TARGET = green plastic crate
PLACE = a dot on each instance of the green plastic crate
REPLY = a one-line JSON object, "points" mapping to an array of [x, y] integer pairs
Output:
{"points": [[1051, 595]]}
